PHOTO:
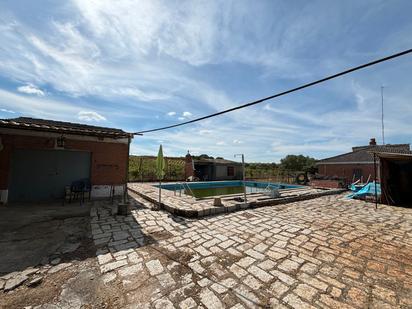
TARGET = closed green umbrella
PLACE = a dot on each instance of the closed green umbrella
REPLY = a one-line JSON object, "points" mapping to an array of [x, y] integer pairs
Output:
{"points": [[160, 166]]}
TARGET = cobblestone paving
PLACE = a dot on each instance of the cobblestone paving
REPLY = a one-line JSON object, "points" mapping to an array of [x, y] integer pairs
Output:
{"points": [[190, 207], [320, 253]]}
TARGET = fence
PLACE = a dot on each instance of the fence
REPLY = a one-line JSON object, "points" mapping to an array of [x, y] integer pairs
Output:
{"points": [[144, 169], [276, 175]]}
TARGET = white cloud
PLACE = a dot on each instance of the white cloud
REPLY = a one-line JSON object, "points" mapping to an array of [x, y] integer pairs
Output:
{"points": [[34, 106], [136, 50], [205, 132], [90, 116], [187, 114], [306, 147], [146, 58], [171, 113], [31, 89], [71, 61], [7, 111], [134, 91], [296, 127]]}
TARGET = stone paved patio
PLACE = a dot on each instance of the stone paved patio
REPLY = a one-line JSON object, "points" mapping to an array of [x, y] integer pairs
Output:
{"points": [[187, 206], [320, 253]]}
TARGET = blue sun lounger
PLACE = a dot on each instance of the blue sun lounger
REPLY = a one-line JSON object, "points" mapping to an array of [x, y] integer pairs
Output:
{"points": [[368, 189]]}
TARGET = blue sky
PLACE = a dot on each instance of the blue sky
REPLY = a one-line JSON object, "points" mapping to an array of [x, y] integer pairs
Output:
{"points": [[142, 64]]}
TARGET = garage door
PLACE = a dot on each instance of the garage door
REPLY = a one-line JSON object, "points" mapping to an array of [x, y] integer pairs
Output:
{"points": [[41, 175]]}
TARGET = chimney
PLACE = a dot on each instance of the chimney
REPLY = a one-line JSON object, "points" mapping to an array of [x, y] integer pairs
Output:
{"points": [[372, 142], [189, 166]]}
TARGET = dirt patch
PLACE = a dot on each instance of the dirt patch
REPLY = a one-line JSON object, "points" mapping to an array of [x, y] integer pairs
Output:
{"points": [[143, 293], [85, 250], [160, 235], [48, 290], [43, 237], [80, 285], [227, 259], [247, 215], [182, 257], [51, 286], [49, 238]]}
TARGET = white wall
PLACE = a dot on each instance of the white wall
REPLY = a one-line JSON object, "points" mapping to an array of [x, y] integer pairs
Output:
{"points": [[102, 191]]}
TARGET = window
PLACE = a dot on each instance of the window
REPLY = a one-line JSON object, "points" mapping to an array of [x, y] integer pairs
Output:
{"points": [[230, 171]]}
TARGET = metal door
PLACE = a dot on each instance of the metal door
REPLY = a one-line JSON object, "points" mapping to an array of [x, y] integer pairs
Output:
{"points": [[41, 175]]}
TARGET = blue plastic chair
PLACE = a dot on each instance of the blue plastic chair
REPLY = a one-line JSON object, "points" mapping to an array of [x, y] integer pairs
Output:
{"points": [[87, 187], [76, 188]]}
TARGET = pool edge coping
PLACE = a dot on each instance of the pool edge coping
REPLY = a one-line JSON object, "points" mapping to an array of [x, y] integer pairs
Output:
{"points": [[215, 210]]}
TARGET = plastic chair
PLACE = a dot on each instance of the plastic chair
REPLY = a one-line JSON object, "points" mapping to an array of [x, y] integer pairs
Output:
{"points": [[87, 187], [76, 188]]}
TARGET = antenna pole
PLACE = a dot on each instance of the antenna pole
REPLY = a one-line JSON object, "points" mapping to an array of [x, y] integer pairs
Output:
{"points": [[383, 126]]}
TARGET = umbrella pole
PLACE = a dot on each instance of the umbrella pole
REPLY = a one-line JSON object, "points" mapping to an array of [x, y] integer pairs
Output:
{"points": [[160, 192]]}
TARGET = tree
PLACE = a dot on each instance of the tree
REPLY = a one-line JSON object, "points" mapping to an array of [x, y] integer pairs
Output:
{"points": [[297, 163]]}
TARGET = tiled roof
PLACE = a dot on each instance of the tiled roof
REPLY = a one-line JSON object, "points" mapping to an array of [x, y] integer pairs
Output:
{"points": [[365, 154], [216, 161], [27, 123], [384, 148]]}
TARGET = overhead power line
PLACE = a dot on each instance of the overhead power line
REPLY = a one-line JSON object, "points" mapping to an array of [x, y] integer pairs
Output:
{"points": [[282, 93]]}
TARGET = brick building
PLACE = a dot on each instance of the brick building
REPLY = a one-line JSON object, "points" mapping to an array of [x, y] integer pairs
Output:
{"points": [[359, 163], [39, 158], [212, 169]]}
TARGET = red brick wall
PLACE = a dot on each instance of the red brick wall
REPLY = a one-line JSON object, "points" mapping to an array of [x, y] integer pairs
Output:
{"points": [[324, 183], [346, 170], [109, 160], [189, 166]]}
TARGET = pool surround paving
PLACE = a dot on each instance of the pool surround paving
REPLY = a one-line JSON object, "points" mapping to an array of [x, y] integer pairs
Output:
{"points": [[188, 206]]}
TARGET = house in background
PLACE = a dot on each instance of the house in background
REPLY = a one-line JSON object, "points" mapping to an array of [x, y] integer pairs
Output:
{"points": [[359, 163], [207, 168], [39, 158]]}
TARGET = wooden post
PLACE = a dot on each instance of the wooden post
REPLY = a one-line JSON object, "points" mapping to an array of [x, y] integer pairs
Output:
{"points": [[125, 197], [244, 178]]}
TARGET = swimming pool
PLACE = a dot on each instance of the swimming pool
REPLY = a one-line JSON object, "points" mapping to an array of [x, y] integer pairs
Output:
{"points": [[214, 188]]}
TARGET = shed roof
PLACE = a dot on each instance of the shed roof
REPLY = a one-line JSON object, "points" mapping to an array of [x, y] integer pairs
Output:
{"points": [[215, 161], [365, 154], [397, 156], [27, 123]]}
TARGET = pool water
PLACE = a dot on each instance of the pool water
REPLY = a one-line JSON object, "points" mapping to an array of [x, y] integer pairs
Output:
{"points": [[205, 192], [215, 188]]}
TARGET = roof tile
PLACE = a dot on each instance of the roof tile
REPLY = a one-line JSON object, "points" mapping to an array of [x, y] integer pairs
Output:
{"points": [[365, 154], [60, 126]]}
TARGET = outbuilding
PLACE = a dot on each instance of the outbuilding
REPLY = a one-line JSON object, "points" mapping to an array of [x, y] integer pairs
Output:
{"points": [[40, 158], [210, 169]]}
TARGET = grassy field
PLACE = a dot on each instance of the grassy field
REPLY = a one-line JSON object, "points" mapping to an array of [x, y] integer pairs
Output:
{"points": [[142, 168]]}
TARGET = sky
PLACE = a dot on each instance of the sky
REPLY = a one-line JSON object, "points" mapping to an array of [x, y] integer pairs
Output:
{"points": [[138, 65]]}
